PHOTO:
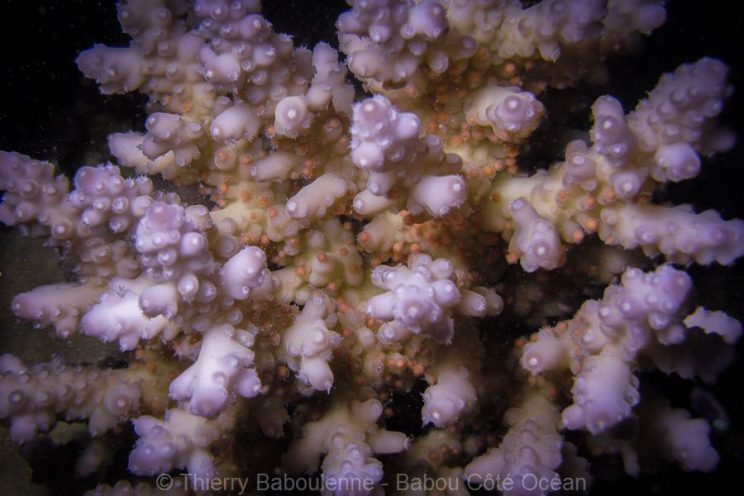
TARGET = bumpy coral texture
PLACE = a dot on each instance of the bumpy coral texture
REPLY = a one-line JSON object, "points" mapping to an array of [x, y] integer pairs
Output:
{"points": [[356, 248]]}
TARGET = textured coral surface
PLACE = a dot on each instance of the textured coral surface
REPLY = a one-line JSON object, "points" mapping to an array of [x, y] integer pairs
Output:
{"points": [[448, 252]]}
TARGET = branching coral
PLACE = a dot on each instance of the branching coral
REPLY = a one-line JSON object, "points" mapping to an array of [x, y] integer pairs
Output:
{"points": [[278, 255]]}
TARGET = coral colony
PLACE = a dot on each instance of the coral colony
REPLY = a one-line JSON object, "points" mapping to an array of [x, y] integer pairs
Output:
{"points": [[352, 249]]}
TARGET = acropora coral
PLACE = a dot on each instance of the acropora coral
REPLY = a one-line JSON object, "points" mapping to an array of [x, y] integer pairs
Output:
{"points": [[378, 289]]}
